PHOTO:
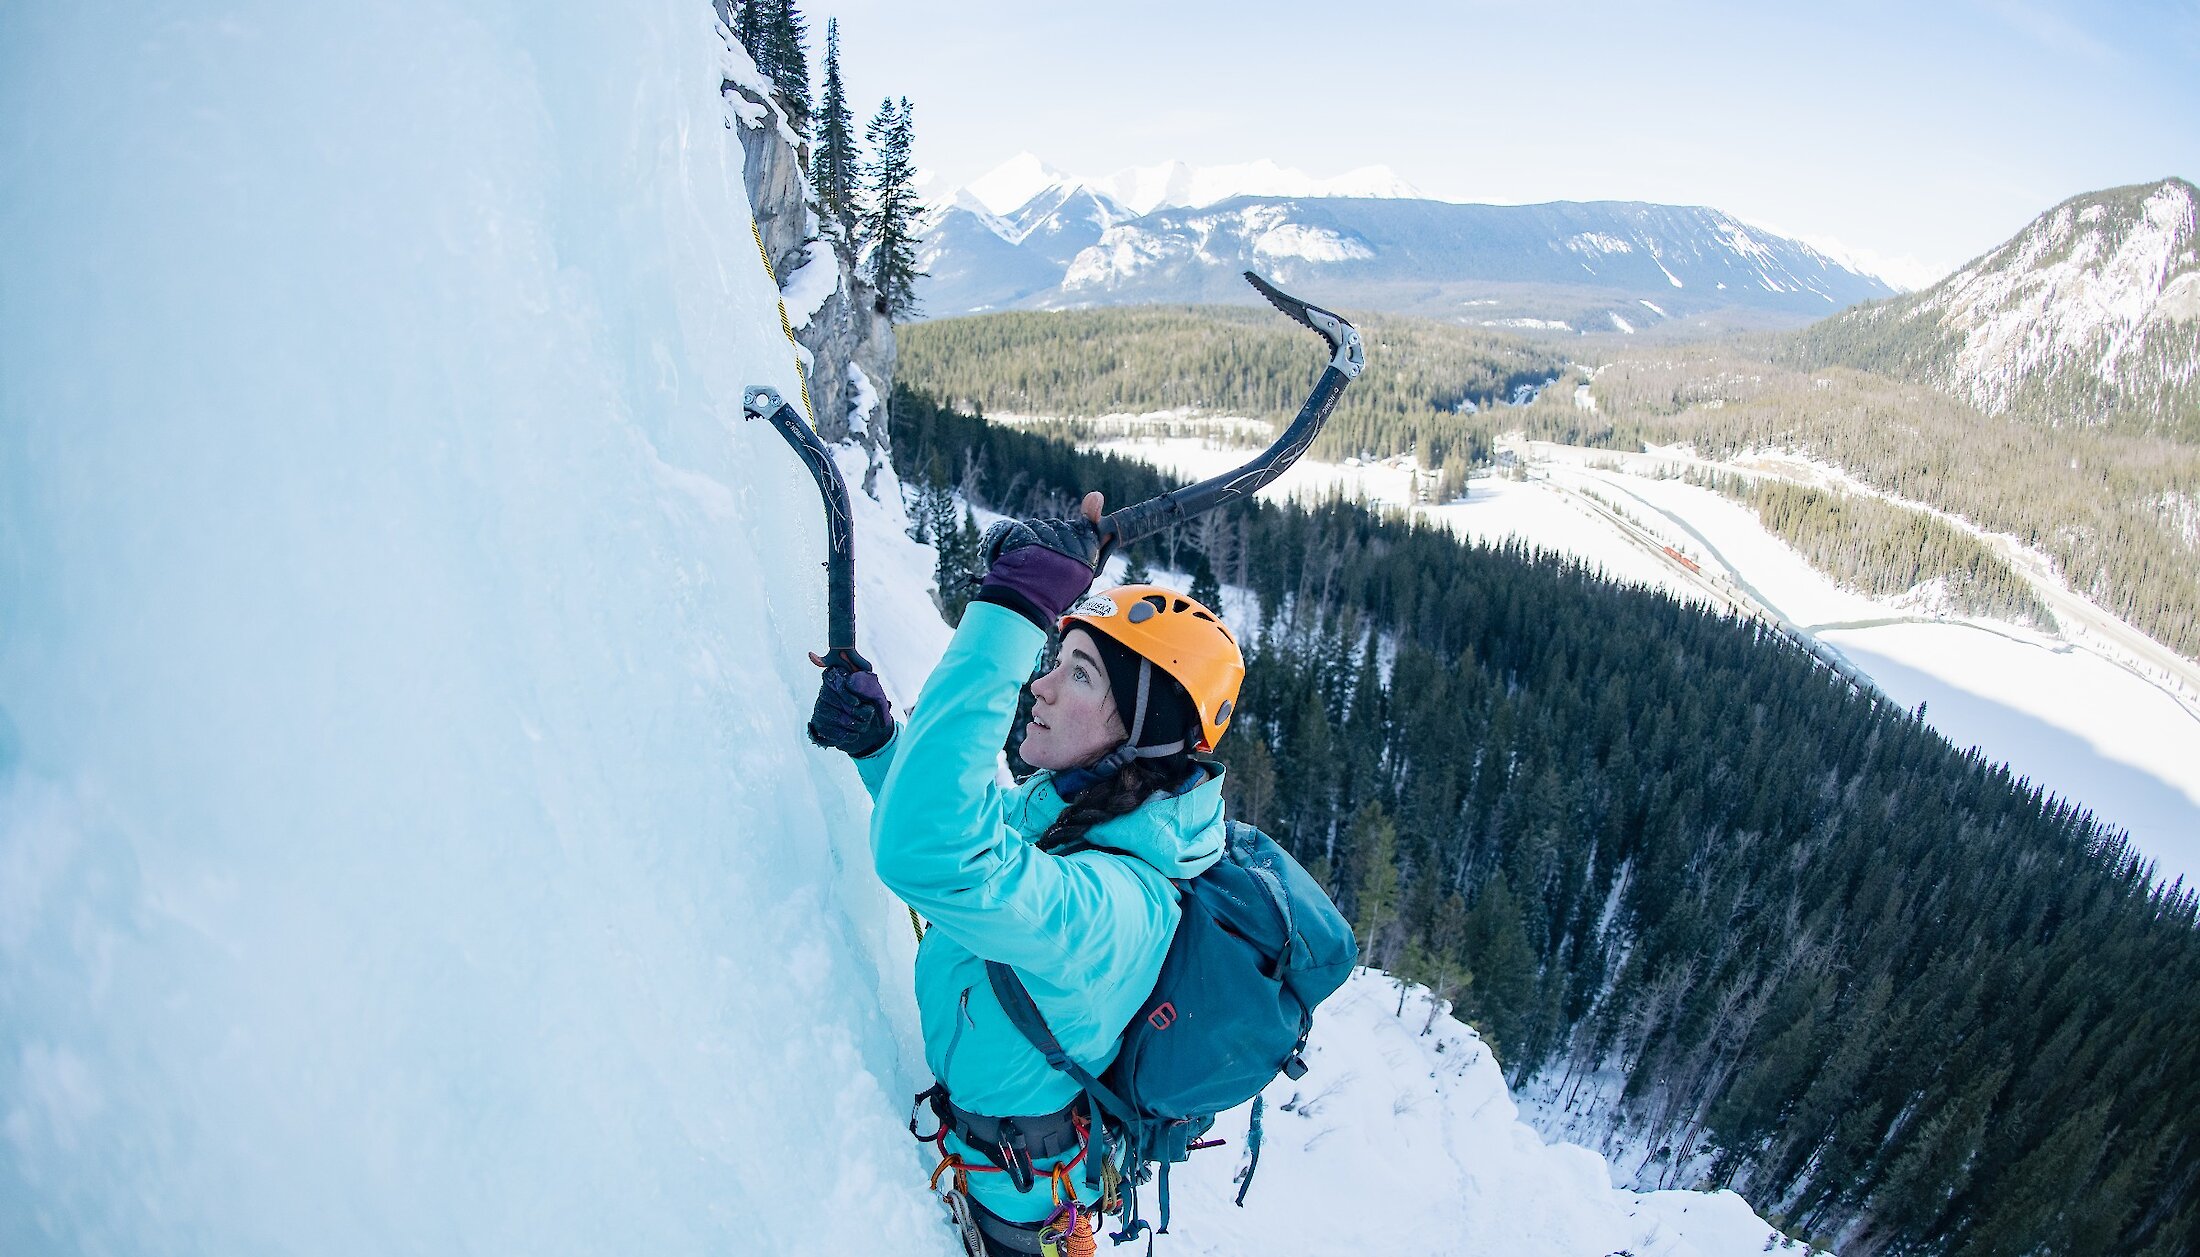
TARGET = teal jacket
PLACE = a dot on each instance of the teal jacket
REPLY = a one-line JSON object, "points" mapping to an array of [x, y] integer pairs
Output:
{"points": [[1086, 932]]}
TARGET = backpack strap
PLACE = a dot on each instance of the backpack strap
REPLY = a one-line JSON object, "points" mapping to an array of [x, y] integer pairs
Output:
{"points": [[1023, 1013]]}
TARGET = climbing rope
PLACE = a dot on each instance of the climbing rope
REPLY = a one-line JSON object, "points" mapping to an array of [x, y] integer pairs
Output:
{"points": [[802, 374]]}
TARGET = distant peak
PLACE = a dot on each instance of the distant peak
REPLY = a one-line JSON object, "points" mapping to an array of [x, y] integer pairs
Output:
{"points": [[1010, 185]]}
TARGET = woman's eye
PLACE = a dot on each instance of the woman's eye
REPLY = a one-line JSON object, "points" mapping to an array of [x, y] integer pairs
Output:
{"points": [[1077, 674]]}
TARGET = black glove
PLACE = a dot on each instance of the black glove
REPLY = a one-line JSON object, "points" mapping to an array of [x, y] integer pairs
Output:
{"points": [[1076, 538], [1040, 566], [852, 713]]}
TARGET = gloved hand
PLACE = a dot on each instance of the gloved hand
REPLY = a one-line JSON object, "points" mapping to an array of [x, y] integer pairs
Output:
{"points": [[1041, 566], [852, 713]]}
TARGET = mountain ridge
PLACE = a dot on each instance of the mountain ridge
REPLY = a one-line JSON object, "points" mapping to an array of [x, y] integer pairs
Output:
{"points": [[2090, 314], [1563, 266]]}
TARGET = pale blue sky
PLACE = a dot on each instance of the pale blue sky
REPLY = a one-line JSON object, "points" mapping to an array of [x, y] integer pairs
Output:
{"points": [[1921, 131]]}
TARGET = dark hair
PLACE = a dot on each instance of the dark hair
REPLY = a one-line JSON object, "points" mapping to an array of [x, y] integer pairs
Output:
{"points": [[1119, 795]]}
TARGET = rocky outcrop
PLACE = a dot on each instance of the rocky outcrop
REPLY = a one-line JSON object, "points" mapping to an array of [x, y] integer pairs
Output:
{"points": [[847, 340]]}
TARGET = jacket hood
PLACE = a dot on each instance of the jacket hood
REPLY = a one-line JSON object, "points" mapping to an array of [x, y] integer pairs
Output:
{"points": [[1179, 834]]}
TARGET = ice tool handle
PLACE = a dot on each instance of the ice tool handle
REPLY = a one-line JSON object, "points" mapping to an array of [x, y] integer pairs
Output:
{"points": [[840, 537], [1346, 357]]}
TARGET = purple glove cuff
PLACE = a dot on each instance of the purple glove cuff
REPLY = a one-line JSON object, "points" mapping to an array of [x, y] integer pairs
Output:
{"points": [[1045, 581]]}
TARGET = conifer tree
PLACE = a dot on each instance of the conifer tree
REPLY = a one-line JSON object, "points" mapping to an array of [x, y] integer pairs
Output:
{"points": [[890, 218], [834, 168], [1374, 878], [1206, 590], [1504, 966], [1136, 571], [783, 38], [748, 23]]}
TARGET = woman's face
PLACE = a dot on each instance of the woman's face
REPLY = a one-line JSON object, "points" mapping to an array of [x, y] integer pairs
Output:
{"points": [[1073, 717]]}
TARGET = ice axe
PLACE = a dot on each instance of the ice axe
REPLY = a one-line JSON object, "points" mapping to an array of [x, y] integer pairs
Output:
{"points": [[1346, 357], [761, 402], [1116, 528]]}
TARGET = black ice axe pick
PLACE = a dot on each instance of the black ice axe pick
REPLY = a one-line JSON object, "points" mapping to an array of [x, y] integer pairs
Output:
{"points": [[764, 403], [1346, 357]]}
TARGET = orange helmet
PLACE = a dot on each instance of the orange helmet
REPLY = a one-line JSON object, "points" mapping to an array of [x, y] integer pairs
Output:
{"points": [[1178, 636]]}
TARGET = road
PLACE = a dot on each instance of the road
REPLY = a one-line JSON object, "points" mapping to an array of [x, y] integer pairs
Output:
{"points": [[2081, 622]]}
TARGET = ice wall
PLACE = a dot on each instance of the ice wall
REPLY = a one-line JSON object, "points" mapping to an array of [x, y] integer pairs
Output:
{"points": [[405, 846]]}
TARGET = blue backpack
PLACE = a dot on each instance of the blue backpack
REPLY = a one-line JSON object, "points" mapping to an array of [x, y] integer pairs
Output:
{"points": [[1258, 946]]}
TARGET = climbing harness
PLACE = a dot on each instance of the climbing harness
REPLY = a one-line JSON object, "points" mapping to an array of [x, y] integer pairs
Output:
{"points": [[1012, 1145]]}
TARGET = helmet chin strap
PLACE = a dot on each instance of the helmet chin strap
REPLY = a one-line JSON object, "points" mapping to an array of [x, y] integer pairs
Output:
{"points": [[1116, 760]]}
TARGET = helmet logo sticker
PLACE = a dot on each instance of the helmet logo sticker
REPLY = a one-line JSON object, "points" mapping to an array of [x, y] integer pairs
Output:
{"points": [[1098, 606]]}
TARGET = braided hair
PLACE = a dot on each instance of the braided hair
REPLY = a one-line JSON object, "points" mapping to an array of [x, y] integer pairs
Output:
{"points": [[1117, 795]]}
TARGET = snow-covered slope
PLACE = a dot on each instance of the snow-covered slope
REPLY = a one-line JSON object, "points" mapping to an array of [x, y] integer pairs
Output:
{"points": [[1403, 1142], [2090, 313]]}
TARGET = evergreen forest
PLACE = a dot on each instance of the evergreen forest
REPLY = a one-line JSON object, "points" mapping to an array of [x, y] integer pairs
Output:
{"points": [[1901, 999], [1886, 549], [2117, 510], [1240, 361]]}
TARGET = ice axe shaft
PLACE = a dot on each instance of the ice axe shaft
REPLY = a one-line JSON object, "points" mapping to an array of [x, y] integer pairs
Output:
{"points": [[764, 403], [1119, 528]]}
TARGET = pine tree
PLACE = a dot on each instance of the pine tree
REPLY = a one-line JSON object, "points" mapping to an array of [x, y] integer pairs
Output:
{"points": [[783, 37], [890, 219], [1250, 785], [1504, 967], [749, 18], [1374, 843], [1136, 571], [1206, 590], [834, 168]]}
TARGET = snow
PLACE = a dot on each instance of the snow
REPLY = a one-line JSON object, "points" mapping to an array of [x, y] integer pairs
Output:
{"points": [[862, 400], [2071, 713], [816, 279], [1009, 186], [1312, 244], [2064, 293], [1418, 1133], [1598, 242], [2056, 712], [1620, 324]]}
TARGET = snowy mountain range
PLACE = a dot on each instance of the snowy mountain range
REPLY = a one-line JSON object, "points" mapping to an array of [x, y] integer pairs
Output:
{"points": [[2090, 314], [1026, 236]]}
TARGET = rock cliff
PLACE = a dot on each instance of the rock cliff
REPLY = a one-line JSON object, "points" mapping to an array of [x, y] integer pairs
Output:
{"points": [[847, 341]]}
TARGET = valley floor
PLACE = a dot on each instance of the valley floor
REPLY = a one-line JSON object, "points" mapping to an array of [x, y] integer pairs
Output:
{"points": [[2090, 715]]}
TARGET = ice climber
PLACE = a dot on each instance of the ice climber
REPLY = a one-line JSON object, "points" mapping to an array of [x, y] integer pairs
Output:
{"points": [[1066, 877]]}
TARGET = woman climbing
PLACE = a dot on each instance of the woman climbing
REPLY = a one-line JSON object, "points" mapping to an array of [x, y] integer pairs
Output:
{"points": [[1065, 878]]}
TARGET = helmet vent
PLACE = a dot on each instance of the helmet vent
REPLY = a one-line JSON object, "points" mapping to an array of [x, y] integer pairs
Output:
{"points": [[1143, 610]]}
